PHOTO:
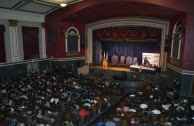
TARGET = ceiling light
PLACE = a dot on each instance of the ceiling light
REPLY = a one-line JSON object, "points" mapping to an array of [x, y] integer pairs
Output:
{"points": [[63, 4]]}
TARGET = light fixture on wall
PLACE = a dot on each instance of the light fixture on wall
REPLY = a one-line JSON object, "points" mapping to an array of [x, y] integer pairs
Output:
{"points": [[63, 4]]}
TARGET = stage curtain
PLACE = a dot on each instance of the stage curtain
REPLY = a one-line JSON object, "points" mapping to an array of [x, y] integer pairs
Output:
{"points": [[30, 42], [2, 44], [133, 48], [98, 53], [129, 41], [128, 33]]}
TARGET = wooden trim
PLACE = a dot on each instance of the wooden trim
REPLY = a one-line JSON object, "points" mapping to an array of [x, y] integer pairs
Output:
{"points": [[72, 53]]}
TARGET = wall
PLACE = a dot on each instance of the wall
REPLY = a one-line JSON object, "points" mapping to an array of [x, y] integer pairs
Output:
{"points": [[57, 47], [20, 68], [183, 6], [12, 69], [181, 18], [24, 19], [6, 39], [188, 8], [185, 80], [29, 24]]}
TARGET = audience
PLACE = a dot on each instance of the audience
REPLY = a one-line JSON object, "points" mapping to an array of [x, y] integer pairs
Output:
{"points": [[48, 99], [52, 99], [153, 106]]}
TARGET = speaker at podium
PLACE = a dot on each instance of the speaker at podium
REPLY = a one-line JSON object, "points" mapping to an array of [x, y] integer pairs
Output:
{"points": [[104, 64]]}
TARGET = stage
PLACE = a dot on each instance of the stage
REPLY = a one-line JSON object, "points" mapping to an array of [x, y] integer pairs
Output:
{"points": [[132, 69], [124, 69], [96, 72], [123, 74], [148, 70]]}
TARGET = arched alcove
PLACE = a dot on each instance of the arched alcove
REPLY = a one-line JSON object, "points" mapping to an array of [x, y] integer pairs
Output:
{"points": [[72, 42], [176, 43]]}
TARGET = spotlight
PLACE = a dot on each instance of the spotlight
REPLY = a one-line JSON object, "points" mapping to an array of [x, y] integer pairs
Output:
{"points": [[63, 4]]}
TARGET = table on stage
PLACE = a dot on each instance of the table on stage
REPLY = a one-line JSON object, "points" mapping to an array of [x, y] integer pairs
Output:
{"points": [[143, 69]]}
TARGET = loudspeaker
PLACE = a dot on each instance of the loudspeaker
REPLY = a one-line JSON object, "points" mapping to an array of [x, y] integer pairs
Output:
{"points": [[83, 42], [167, 42], [51, 35], [78, 63], [166, 49]]}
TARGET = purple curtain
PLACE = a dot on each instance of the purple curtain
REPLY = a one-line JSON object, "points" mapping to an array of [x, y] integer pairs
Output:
{"points": [[2, 44], [30, 42], [129, 41], [133, 48]]}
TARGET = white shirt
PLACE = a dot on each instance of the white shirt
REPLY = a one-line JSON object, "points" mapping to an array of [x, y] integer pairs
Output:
{"points": [[166, 107], [52, 100], [132, 95], [116, 119], [143, 106], [156, 111], [93, 101], [132, 110], [180, 108], [125, 109], [87, 104], [169, 123], [56, 100]]}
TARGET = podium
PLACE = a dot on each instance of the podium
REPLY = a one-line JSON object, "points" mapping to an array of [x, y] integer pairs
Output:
{"points": [[104, 64]]}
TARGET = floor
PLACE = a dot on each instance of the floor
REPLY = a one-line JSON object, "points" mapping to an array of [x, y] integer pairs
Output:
{"points": [[163, 79]]}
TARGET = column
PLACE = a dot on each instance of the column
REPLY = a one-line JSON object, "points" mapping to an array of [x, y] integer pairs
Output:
{"points": [[43, 42], [14, 48]]}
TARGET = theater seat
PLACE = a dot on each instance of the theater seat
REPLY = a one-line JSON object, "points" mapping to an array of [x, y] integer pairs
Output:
{"points": [[122, 61], [135, 61], [129, 61], [114, 60]]}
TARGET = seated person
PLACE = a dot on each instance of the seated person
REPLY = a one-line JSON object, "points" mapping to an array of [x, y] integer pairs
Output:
{"points": [[146, 62]]}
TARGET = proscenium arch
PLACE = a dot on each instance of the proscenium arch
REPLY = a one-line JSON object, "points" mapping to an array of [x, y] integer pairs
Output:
{"points": [[164, 25]]}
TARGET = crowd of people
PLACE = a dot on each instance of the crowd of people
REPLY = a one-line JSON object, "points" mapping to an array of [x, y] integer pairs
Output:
{"points": [[48, 99], [151, 106]]}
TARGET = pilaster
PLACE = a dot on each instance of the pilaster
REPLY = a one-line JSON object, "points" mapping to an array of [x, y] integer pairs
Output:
{"points": [[13, 34], [43, 41]]}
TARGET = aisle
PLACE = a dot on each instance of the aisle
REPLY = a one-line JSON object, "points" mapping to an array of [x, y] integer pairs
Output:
{"points": [[114, 98]]}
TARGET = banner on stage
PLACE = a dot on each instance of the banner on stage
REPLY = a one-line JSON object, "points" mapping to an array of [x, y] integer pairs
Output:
{"points": [[152, 58]]}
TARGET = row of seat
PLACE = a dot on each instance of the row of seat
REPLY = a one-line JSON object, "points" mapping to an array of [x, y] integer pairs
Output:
{"points": [[123, 61]]}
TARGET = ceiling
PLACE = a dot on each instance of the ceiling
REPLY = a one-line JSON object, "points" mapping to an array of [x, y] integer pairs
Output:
{"points": [[34, 6], [121, 9], [86, 11]]}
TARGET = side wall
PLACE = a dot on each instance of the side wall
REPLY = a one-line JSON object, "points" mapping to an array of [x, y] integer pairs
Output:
{"points": [[22, 19], [185, 80], [21, 68]]}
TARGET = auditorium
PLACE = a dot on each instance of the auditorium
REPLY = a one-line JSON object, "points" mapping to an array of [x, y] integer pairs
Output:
{"points": [[96, 63]]}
